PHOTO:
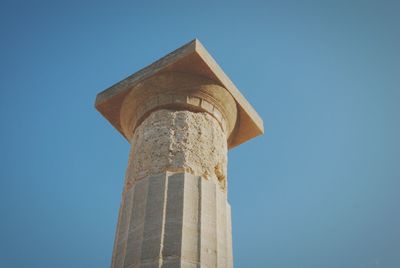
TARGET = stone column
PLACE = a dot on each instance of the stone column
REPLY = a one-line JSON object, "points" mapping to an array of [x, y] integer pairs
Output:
{"points": [[180, 122], [175, 211]]}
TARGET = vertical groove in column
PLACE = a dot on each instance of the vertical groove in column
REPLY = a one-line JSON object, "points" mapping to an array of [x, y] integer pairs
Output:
{"points": [[153, 222], [217, 226], [221, 227], [122, 229], [163, 220], [190, 230], [136, 224], [217, 253], [208, 224], [229, 236], [172, 250], [199, 179], [116, 250]]}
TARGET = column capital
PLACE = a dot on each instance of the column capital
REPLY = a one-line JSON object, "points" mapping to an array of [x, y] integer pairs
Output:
{"points": [[187, 78], [178, 91]]}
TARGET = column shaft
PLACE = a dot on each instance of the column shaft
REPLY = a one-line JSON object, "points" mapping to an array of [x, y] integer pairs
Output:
{"points": [[174, 211]]}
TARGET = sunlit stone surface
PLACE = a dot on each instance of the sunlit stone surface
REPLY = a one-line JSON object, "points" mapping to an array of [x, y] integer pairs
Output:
{"points": [[180, 115]]}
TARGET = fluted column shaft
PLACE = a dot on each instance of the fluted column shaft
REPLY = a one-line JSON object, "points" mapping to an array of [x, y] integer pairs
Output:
{"points": [[175, 211], [180, 114]]}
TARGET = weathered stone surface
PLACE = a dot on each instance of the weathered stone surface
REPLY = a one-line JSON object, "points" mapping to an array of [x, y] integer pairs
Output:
{"points": [[179, 141], [174, 210], [180, 115]]}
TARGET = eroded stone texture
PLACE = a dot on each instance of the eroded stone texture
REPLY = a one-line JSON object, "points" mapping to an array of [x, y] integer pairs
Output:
{"points": [[180, 114], [175, 211], [166, 140]]}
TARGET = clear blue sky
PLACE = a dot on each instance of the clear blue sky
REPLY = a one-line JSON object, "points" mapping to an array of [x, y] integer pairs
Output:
{"points": [[320, 189]]}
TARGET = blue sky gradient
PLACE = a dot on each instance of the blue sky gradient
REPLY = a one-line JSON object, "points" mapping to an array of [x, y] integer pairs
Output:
{"points": [[321, 188]]}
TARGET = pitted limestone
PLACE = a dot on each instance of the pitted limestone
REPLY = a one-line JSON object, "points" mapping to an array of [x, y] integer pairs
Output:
{"points": [[179, 141]]}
